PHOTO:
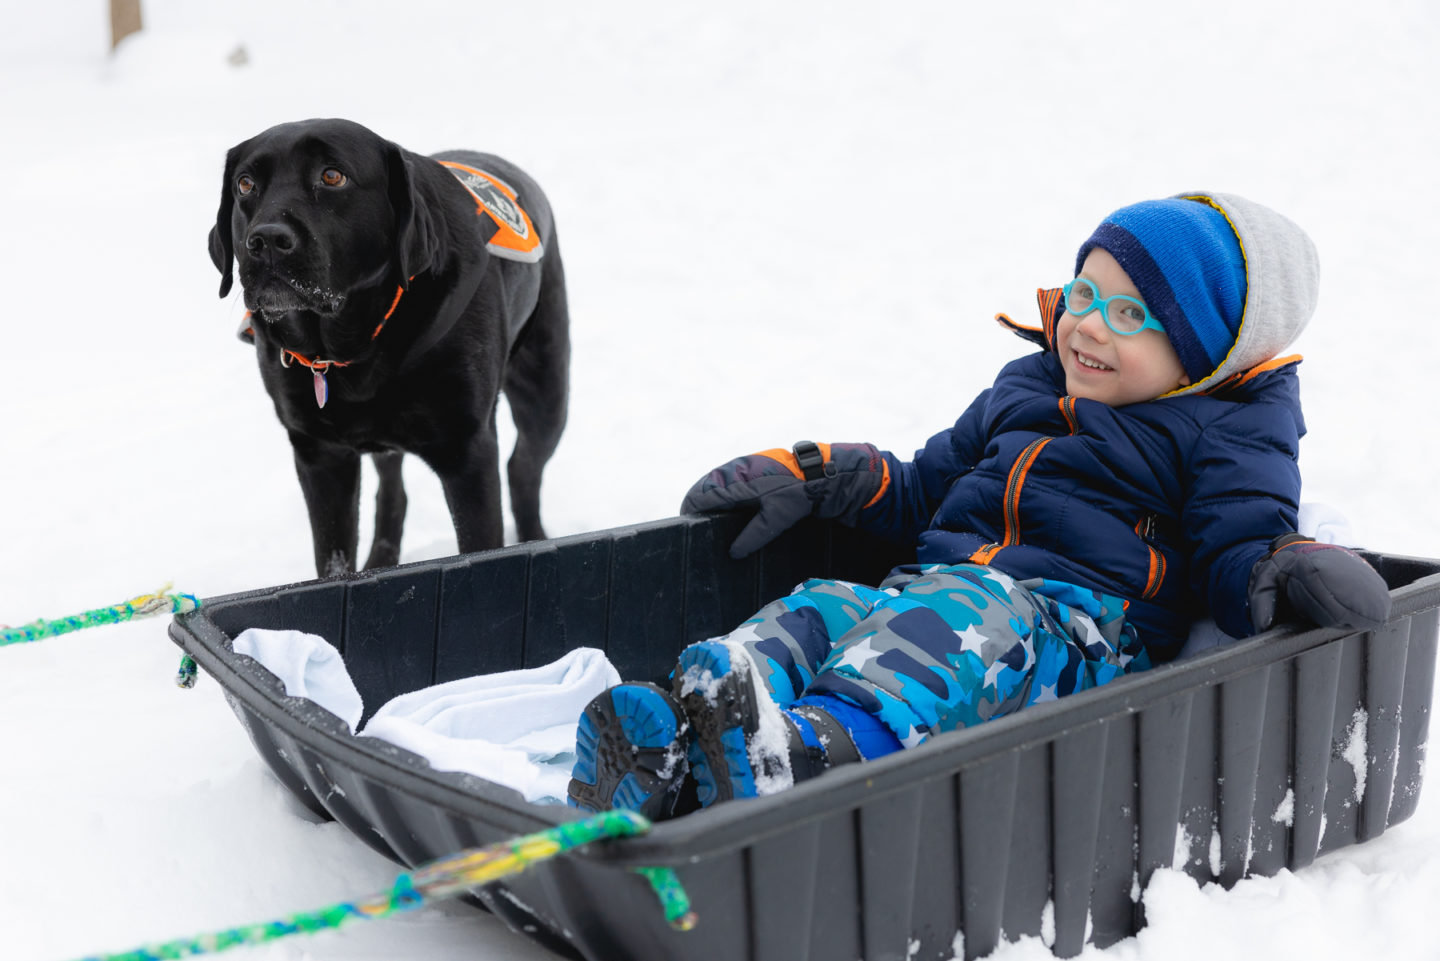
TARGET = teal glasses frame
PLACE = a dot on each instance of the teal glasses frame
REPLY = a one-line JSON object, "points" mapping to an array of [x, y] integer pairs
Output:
{"points": [[1103, 305]]}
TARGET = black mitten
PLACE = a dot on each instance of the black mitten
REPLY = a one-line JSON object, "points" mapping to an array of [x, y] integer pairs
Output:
{"points": [[1324, 584], [824, 480]]}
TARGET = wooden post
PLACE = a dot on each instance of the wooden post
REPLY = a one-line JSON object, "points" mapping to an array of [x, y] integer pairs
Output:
{"points": [[124, 20]]}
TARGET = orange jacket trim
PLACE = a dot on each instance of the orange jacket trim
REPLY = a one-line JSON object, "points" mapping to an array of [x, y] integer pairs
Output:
{"points": [[1245, 376], [1048, 299]]}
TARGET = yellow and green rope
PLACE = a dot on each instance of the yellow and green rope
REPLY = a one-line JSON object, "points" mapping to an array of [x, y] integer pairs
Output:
{"points": [[444, 878], [146, 605]]}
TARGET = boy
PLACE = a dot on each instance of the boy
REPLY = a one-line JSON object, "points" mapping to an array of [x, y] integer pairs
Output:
{"points": [[1139, 471]]}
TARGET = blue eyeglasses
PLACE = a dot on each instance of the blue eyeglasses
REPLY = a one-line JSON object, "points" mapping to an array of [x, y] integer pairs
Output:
{"points": [[1126, 316]]}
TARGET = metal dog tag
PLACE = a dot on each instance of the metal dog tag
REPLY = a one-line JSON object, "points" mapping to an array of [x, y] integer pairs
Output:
{"points": [[322, 389]]}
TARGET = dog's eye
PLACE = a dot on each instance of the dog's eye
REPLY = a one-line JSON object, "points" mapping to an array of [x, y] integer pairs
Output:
{"points": [[244, 183], [331, 177]]}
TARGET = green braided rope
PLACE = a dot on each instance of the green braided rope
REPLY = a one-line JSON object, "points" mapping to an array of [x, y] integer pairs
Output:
{"points": [[673, 899], [437, 880], [145, 605], [185, 675]]}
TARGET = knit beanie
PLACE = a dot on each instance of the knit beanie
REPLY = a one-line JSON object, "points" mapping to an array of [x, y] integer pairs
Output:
{"points": [[1185, 260]]}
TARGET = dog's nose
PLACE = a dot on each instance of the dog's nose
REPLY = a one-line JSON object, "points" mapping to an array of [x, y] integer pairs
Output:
{"points": [[276, 240]]}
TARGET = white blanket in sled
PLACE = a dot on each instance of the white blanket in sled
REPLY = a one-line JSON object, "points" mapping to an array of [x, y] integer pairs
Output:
{"points": [[515, 728]]}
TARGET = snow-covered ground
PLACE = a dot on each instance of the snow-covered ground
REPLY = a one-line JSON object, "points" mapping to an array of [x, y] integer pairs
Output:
{"points": [[779, 220]]}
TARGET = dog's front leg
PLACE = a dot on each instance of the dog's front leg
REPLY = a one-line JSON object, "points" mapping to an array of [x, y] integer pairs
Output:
{"points": [[330, 479], [390, 504], [472, 491]]}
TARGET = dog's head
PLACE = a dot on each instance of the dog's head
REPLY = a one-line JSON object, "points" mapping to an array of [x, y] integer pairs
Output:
{"points": [[319, 215]]}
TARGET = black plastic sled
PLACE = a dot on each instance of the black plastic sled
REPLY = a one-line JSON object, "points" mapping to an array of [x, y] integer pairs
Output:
{"points": [[1243, 760]]}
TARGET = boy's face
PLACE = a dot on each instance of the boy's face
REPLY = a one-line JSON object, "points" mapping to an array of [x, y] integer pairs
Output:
{"points": [[1113, 368]]}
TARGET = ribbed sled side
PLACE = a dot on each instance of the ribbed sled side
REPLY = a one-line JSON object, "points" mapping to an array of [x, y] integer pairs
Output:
{"points": [[1246, 760], [1056, 837]]}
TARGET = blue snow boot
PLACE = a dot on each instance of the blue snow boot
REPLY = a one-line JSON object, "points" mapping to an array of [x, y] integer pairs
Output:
{"points": [[630, 752], [735, 726], [742, 743]]}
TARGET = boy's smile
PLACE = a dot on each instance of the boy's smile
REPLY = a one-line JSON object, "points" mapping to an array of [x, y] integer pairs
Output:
{"points": [[1113, 368]]}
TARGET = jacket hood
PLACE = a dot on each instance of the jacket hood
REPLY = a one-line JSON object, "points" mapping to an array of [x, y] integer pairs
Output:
{"points": [[1282, 283]]}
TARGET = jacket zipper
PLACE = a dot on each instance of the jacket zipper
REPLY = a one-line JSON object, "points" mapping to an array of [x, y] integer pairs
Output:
{"points": [[1144, 529], [1067, 408], [1016, 480], [1013, 485]]}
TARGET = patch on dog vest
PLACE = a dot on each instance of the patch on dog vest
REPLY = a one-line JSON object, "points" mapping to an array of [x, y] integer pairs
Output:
{"points": [[516, 238]]}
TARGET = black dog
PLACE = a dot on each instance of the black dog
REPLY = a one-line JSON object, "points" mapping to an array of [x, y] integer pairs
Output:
{"points": [[391, 297]]}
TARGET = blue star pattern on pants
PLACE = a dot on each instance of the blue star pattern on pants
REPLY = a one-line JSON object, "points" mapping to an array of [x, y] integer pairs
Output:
{"points": [[938, 648]]}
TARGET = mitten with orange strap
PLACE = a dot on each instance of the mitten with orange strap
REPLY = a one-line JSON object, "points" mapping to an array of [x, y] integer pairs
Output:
{"points": [[820, 480], [1324, 584]]}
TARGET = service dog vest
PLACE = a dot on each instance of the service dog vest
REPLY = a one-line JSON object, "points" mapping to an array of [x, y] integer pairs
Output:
{"points": [[515, 237]]}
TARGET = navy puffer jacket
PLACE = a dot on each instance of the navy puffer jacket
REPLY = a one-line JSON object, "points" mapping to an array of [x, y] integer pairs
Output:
{"points": [[1167, 503]]}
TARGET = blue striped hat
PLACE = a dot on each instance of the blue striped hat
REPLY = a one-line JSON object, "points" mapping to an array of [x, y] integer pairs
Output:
{"points": [[1186, 262]]}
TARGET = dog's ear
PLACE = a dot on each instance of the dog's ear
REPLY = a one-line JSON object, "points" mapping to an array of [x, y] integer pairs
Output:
{"points": [[222, 250], [416, 244]]}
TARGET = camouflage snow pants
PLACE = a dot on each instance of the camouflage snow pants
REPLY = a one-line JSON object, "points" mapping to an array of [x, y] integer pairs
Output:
{"points": [[942, 647]]}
